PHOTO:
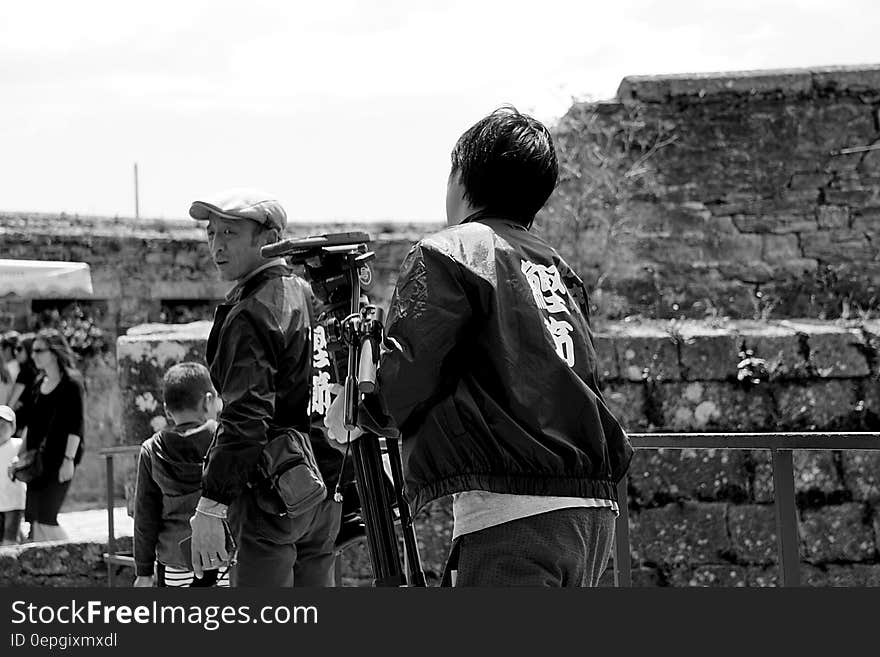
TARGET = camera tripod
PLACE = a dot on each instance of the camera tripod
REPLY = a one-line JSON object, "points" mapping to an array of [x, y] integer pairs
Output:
{"points": [[338, 262]]}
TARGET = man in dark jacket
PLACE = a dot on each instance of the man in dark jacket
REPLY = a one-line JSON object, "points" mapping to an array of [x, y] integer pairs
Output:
{"points": [[490, 376], [260, 356]]}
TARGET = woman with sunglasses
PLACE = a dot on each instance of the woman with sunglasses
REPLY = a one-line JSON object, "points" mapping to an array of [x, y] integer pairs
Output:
{"points": [[56, 422], [23, 390]]}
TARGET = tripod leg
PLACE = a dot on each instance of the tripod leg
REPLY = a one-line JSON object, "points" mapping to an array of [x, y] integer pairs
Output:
{"points": [[411, 546], [381, 537]]}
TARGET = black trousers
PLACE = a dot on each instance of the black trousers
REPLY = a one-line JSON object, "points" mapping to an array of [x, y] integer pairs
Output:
{"points": [[278, 551]]}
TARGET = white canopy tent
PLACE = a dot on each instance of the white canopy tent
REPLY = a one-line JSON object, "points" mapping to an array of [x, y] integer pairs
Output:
{"points": [[45, 279]]}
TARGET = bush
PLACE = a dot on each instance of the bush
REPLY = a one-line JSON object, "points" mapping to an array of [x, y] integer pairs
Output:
{"points": [[79, 327]]}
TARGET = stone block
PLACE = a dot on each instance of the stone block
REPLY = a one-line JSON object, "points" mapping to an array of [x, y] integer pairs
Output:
{"points": [[155, 258], [801, 198], [777, 345], [867, 220], [61, 558], [710, 355], [861, 474], [752, 272], [781, 248], [627, 403], [834, 351], [816, 477], [809, 180], [838, 247], [817, 405], [680, 534], [762, 576], [715, 406], [837, 79], [837, 533], [713, 249], [715, 576], [793, 267], [816, 473], [839, 575], [644, 351], [143, 356], [752, 530], [778, 224], [706, 474], [833, 216], [606, 358], [850, 197]]}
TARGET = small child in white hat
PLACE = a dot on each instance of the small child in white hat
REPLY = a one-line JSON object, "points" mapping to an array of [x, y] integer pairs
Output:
{"points": [[12, 493]]}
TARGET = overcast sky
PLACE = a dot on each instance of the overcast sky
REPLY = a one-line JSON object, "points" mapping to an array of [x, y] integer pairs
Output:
{"points": [[345, 109]]}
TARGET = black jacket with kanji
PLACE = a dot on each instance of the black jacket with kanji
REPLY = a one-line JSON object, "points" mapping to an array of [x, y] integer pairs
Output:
{"points": [[489, 371]]}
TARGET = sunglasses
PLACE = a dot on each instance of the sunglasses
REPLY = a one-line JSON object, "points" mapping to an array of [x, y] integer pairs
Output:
{"points": [[38, 350]]}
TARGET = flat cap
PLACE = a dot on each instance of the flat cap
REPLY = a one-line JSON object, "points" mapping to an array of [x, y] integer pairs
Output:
{"points": [[242, 203]]}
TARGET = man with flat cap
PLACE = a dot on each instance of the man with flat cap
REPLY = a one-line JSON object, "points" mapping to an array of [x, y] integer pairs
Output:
{"points": [[259, 352]]}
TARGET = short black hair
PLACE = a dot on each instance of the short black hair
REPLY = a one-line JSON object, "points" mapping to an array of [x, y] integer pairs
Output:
{"points": [[507, 163], [184, 386]]}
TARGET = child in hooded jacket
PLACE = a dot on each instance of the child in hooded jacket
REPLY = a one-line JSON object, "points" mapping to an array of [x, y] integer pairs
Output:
{"points": [[169, 480]]}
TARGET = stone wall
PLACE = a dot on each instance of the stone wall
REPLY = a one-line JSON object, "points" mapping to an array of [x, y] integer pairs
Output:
{"points": [[140, 272], [752, 195], [136, 267], [58, 564], [706, 517], [698, 517]]}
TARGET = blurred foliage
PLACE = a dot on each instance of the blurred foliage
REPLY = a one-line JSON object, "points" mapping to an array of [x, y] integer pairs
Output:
{"points": [[604, 162], [79, 325]]}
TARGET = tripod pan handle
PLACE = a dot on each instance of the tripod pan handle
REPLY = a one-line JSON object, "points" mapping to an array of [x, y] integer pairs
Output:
{"points": [[367, 368]]}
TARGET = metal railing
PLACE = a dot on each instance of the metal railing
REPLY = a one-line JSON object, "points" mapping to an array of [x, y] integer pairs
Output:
{"points": [[781, 446], [111, 557]]}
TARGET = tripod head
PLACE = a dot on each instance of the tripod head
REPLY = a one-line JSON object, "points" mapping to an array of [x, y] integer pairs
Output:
{"points": [[337, 267]]}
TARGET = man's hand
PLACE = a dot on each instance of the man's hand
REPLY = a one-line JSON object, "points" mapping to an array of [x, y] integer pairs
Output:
{"points": [[334, 420], [208, 543], [143, 581]]}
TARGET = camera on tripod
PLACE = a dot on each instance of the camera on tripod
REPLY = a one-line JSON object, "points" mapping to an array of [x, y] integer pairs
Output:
{"points": [[351, 330], [330, 262]]}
